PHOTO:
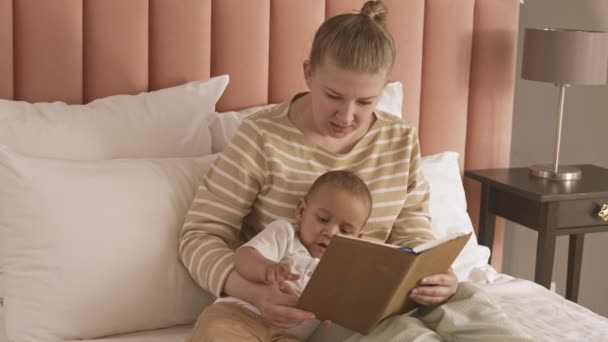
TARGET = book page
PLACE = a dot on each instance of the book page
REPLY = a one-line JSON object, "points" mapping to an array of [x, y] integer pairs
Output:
{"points": [[376, 242], [433, 243]]}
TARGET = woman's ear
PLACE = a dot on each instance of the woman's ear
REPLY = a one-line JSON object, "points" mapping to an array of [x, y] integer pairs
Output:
{"points": [[306, 67], [300, 208]]}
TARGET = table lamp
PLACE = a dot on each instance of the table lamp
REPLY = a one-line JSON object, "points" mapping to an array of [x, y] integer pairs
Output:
{"points": [[565, 58]]}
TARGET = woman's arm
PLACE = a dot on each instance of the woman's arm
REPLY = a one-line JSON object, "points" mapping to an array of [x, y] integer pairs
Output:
{"points": [[213, 223], [413, 224], [413, 227], [224, 197]]}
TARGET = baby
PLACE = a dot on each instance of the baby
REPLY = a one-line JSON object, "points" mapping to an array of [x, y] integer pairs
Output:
{"points": [[338, 202]]}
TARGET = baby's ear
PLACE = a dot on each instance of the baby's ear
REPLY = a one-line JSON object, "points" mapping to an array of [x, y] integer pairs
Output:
{"points": [[307, 69], [300, 207]]}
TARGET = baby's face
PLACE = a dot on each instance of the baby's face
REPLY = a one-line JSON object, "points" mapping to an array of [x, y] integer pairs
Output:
{"points": [[328, 212]]}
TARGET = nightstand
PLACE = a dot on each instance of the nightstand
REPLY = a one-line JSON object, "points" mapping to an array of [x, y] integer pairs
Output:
{"points": [[551, 208]]}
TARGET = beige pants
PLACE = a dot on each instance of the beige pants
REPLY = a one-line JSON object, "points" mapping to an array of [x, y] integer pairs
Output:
{"points": [[227, 322]]}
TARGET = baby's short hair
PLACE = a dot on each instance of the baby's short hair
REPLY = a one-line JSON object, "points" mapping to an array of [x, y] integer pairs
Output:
{"points": [[343, 179]]}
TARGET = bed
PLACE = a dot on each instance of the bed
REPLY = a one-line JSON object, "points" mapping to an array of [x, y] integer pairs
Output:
{"points": [[67, 277]]}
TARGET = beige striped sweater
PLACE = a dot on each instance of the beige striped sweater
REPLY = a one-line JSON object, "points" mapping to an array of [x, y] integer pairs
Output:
{"points": [[269, 165]]}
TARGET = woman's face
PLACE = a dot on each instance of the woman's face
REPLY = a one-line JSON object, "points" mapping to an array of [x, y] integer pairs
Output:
{"points": [[343, 101]]}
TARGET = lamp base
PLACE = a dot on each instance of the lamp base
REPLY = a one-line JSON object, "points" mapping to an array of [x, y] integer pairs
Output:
{"points": [[564, 173]]}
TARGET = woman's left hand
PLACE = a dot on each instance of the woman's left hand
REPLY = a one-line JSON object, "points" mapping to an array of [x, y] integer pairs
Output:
{"points": [[435, 289]]}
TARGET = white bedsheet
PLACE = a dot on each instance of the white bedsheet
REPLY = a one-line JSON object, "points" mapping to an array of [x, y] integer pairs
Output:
{"points": [[543, 314]]}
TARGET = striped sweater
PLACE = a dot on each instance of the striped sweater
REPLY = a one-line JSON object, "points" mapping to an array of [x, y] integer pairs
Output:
{"points": [[269, 165]]}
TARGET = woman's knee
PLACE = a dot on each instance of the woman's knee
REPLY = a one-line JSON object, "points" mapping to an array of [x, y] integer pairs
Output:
{"points": [[227, 322]]}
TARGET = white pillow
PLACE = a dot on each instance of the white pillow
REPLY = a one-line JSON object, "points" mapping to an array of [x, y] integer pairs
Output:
{"points": [[171, 122], [448, 208], [448, 205], [392, 99], [224, 125], [92, 246]]}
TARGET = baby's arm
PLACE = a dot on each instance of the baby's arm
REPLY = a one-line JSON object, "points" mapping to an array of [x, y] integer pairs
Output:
{"points": [[258, 260], [253, 266]]}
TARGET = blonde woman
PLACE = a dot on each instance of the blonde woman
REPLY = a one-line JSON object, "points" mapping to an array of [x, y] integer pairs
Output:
{"points": [[277, 154]]}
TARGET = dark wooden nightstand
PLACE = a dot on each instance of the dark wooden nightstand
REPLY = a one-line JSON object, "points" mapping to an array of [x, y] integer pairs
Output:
{"points": [[552, 208]]}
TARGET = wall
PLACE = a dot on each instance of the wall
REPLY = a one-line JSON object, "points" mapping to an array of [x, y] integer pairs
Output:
{"points": [[584, 140]]}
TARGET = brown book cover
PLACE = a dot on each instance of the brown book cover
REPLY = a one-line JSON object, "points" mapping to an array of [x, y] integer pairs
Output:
{"points": [[359, 282]]}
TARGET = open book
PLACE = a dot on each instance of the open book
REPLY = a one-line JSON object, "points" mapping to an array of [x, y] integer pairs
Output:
{"points": [[360, 282]]}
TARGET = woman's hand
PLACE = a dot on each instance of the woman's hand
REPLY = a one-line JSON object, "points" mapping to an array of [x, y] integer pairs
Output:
{"points": [[277, 306], [435, 289]]}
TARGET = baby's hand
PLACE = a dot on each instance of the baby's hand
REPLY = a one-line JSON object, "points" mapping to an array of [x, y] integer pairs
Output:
{"points": [[279, 273]]}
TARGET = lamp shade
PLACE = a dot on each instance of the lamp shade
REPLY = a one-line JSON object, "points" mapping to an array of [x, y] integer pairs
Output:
{"points": [[565, 56]]}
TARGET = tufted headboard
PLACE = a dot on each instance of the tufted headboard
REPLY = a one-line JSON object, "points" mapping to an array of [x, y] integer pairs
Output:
{"points": [[456, 59]]}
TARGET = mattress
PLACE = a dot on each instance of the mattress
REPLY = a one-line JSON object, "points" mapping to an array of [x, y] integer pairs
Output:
{"points": [[544, 315]]}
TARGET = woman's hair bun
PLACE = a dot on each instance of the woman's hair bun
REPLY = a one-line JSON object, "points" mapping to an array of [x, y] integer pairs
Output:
{"points": [[376, 11]]}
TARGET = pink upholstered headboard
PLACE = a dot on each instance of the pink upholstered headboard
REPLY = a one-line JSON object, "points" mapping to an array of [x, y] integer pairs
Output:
{"points": [[456, 59]]}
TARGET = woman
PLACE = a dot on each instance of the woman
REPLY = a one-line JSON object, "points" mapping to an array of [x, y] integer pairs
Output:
{"points": [[277, 154]]}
